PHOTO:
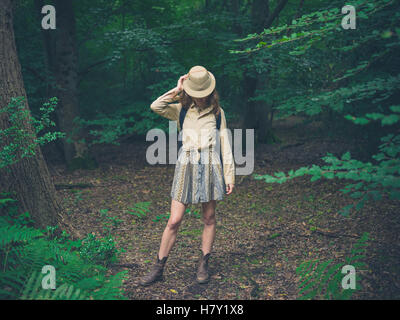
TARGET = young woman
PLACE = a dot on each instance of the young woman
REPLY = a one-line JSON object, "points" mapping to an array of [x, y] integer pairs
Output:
{"points": [[199, 176]]}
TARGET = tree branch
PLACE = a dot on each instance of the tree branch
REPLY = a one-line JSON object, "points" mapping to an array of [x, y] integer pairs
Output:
{"points": [[279, 7], [88, 68]]}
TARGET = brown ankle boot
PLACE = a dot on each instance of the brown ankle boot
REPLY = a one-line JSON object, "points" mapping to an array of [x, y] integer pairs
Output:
{"points": [[202, 271], [156, 272]]}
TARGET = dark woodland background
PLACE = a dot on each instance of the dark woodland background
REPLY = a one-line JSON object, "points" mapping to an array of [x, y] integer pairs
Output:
{"points": [[77, 193]]}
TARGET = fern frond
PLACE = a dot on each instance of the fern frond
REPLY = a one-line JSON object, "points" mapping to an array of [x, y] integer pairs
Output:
{"points": [[111, 290], [14, 233], [34, 291], [324, 278]]}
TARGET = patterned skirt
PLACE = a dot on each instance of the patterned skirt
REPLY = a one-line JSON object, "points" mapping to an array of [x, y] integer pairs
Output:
{"points": [[198, 177]]}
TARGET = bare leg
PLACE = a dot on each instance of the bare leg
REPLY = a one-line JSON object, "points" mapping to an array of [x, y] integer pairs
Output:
{"points": [[209, 226], [171, 230]]}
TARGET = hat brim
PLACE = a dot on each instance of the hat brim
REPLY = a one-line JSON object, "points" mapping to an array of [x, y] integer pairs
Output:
{"points": [[200, 94]]}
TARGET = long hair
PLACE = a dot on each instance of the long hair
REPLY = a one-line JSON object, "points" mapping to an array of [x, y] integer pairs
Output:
{"points": [[212, 99]]}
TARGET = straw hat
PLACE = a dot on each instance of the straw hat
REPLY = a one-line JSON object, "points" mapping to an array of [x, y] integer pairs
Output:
{"points": [[200, 82]]}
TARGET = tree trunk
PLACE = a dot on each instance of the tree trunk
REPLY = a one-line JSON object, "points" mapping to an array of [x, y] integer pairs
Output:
{"points": [[62, 61], [259, 14], [67, 82], [29, 178], [235, 9], [257, 113]]}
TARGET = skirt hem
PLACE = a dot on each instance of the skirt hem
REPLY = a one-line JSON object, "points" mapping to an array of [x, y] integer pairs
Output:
{"points": [[196, 202]]}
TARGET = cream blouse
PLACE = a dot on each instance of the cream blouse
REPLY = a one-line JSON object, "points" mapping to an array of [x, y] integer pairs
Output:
{"points": [[198, 129]]}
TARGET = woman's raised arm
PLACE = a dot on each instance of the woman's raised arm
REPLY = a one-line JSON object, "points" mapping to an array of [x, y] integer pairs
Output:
{"points": [[163, 106]]}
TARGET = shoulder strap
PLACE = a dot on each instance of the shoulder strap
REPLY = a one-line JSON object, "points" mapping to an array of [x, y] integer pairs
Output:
{"points": [[218, 128], [182, 115], [219, 120]]}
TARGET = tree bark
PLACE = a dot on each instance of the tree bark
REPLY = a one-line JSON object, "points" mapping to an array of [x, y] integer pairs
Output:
{"points": [[235, 9], [67, 76], [256, 115], [28, 178], [62, 61], [275, 13], [297, 14], [259, 14]]}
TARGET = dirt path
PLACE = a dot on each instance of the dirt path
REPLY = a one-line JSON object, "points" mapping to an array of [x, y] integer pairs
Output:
{"points": [[264, 231]]}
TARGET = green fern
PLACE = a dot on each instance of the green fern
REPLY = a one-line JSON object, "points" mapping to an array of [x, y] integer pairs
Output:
{"points": [[10, 234], [25, 250], [140, 209], [163, 216], [110, 290], [33, 290], [323, 279]]}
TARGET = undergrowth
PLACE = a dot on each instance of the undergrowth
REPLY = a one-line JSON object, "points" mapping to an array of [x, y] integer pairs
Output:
{"points": [[80, 265]]}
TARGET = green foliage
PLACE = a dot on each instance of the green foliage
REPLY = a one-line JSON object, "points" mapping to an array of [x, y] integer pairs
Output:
{"points": [[110, 221], [129, 120], [33, 291], [323, 279], [384, 119], [140, 209], [79, 264], [98, 251], [134, 52], [348, 74], [110, 289], [21, 141], [342, 99], [372, 181], [321, 71], [312, 28], [161, 217], [193, 213]]}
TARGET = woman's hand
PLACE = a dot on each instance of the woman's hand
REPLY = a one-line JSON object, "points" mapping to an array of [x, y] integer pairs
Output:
{"points": [[174, 91], [179, 86], [229, 188]]}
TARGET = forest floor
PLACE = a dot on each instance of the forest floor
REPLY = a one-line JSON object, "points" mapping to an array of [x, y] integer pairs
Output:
{"points": [[264, 231]]}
